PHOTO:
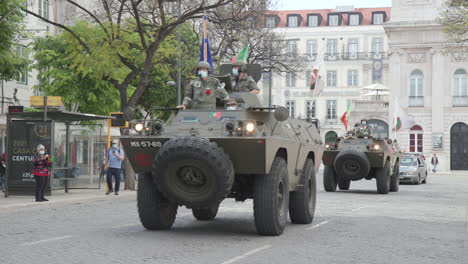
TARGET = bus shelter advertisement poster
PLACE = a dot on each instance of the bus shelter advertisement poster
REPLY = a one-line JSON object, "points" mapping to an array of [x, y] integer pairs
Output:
{"points": [[24, 137]]}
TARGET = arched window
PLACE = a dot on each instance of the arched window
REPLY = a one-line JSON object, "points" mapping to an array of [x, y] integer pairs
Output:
{"points": [[416, 97], [416, 139], [331, 137], [460, 88]]}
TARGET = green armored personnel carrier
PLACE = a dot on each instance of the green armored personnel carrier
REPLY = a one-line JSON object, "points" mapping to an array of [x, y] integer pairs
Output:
{"points": [[355, 158], [200, 157]]}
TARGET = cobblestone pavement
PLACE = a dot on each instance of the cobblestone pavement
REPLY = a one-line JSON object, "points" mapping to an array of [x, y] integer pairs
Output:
{"points": [[419, 224]]}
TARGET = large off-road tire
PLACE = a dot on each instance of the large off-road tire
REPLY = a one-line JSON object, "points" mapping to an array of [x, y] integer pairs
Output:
{"points": [[330, 179], [382, 176], [154, 210], [193, 171], [395, 181], [271, 199], [344, 184], [302, 202], [205, 214], [352, 165]]}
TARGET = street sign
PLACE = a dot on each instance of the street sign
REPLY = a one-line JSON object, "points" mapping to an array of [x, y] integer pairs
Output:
{"points": [[119, 120], [52, 101]]}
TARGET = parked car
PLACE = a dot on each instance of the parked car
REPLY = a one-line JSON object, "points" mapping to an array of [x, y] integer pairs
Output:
{"points": [[413, 169]]}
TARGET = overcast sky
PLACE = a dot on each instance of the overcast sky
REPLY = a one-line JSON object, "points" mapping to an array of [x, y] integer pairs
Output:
{"points": [[329, 4]]}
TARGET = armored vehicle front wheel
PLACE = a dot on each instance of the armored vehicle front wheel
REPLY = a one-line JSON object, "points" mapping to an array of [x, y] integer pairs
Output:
{"points": [[193, 171], [302, 202], [205, 214], [154, 210], [271, 199], [344, 184], [395, 181], [382, 176], [330, 179]]}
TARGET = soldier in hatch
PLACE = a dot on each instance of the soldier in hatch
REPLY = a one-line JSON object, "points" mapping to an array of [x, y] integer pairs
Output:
{"points": [[242, 81], [202, 92], [363, 130]]}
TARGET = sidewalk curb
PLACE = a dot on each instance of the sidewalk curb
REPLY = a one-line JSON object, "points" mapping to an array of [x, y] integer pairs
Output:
{"points": [[64, 201]]}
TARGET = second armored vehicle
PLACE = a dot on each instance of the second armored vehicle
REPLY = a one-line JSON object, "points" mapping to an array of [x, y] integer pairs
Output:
{"points": [[356, 158]]}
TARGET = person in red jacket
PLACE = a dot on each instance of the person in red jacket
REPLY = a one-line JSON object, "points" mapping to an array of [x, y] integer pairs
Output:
{"points": [[41, 172]]}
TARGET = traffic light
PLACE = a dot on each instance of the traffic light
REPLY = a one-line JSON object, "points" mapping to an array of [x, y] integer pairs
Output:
{"points": [[119, 120]]}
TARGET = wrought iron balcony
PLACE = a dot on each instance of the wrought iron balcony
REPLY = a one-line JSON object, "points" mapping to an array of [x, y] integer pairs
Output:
{"points": [[460, 101], [416, 101], [370, 106]]}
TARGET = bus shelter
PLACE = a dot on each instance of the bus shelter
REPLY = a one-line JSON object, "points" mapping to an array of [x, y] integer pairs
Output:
{"points": [[26, 130]]}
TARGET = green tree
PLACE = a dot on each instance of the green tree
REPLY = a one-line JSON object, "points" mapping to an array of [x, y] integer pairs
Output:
{"points": [[454, 18], [11, 18], [80, 79]]}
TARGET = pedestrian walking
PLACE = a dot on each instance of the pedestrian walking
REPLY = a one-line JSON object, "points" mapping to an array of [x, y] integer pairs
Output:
{"points": [[434, 162], [3, 172], [114, 159], [42, 164]]}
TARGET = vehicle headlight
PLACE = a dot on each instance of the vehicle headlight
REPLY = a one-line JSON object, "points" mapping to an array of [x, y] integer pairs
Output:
{"points": [[327, 146], [250, 127], [376, 147], [139, 127]]}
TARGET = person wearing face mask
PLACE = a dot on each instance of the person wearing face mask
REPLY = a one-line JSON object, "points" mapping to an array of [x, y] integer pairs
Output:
{"points": [[42, 164], [231, 105], [115, 156], [202, 92], [242, 81]]}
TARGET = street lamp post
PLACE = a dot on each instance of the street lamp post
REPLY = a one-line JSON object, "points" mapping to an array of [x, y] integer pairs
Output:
{"points": [[178, 60]]}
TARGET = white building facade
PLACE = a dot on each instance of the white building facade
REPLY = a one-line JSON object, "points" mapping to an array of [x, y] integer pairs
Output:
{"points": [[428, 75], [350, 42]]}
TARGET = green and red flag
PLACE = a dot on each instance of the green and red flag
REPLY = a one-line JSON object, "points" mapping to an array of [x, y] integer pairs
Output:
{"points": [[345, 117], [401, 120], [242, 55]]}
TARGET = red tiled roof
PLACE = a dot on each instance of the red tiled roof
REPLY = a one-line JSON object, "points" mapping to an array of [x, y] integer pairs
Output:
{"points": [[366, 15]]}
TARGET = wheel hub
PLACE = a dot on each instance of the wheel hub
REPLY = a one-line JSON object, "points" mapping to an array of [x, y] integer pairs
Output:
{"points": [[352, 166], [191, 176]]}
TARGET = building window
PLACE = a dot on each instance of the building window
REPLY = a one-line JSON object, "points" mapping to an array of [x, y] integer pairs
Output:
{"points": [[354, 19], [313, 20], [44, 8], [378, 18], [460, 88], [416, 139], [332, 46], [22, 76], [311, 47], [291, 49], [377, 45], [416, 88], [353, 78], [331, 78], [293, 21], [291, 106], [290, 79], [331, 109], [310, 109], [333, 20], [353, 46], [270, 21]]}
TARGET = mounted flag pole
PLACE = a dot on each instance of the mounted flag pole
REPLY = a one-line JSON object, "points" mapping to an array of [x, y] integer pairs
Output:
{"points": [[205, 50], [345, 117]]}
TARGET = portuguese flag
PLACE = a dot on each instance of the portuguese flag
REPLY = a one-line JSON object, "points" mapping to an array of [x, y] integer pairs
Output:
{"points": [[243, 54], [345, 117], [402, 120]]}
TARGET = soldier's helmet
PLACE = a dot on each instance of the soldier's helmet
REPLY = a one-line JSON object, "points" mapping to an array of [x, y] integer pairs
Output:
{"points": [[241, 65], [203, 65], [357, 124]]}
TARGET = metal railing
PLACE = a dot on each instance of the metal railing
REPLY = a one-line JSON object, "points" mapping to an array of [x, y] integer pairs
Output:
{"points": [[370, 106], [416, 101], [460, 101]]}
